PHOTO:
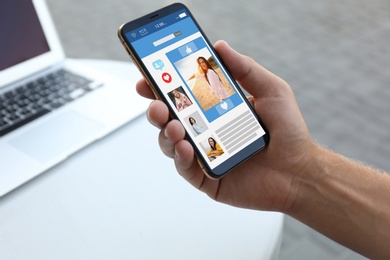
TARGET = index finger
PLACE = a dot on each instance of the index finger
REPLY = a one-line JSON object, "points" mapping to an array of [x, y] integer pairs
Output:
{"points": [[144, 89], [254, 78]]}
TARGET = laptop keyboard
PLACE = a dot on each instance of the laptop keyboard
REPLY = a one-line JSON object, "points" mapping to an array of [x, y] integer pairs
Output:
{"points": [[34, 99]]}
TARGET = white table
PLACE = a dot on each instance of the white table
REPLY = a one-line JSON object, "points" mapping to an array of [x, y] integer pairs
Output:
{"points": [[120, 198]]}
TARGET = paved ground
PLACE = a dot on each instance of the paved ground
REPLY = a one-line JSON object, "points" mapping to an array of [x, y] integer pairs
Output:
{"points": [[335, 54]]}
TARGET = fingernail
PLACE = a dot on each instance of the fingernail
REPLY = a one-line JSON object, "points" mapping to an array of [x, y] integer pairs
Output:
{"points": [[176, 155], [165, 132]]}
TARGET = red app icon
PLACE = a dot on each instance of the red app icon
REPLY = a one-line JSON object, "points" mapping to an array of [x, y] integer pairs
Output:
{"points": [[166, 77]]}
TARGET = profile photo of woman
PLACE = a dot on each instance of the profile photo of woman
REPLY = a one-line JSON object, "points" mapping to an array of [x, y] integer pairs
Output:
{"points": [[181, 100], [197, 128], [212, 78], [215, 149]]}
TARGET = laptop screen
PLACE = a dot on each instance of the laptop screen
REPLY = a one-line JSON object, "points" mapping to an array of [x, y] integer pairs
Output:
{"points": [[22, 34]]}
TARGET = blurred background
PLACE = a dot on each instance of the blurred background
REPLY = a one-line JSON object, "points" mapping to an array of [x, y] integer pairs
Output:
{"points": [[334, 54]]}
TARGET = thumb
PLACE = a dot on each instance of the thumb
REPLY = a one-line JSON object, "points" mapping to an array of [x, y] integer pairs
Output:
{"points": [[252, 76]]}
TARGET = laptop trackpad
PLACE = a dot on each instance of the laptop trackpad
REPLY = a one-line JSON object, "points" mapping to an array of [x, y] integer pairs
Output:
{"points": [[56, 137]]}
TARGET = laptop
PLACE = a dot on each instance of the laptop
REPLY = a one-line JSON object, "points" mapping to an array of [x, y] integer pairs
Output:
{"points": [[50, 106]]}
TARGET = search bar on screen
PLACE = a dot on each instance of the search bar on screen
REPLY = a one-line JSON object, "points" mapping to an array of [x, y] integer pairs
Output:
{"points": [[166, 38]]}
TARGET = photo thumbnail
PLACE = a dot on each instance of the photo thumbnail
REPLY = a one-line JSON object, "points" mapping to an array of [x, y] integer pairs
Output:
{"points": [[179, 98], [212, 148], [196, 124]]}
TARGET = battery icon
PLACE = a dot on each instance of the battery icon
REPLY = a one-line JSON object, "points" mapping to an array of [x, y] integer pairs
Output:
{"points": [[182, 15]]}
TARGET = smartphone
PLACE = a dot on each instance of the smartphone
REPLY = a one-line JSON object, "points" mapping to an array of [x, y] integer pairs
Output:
{"points": [[185, 72]]}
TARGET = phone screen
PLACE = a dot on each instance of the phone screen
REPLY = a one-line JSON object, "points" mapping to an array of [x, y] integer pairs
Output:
{"points": [[175, 55]]}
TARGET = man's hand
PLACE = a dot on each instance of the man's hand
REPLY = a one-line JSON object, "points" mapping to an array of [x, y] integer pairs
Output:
{"points": [[265, 181]]}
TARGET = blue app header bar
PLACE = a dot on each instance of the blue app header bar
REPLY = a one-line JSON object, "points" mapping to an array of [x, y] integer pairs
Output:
{"points": [[150, 28], [160, 34]]}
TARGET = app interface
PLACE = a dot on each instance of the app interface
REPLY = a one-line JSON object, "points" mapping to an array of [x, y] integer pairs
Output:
{"points": [[196, 86]]}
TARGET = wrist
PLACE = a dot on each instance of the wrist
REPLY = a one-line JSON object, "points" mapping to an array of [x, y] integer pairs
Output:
{"points": [[306, 177], [301, 175]]}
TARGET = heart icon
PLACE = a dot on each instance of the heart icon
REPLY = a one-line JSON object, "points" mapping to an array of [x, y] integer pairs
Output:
{"points": [[166, 77], [224, 105]]}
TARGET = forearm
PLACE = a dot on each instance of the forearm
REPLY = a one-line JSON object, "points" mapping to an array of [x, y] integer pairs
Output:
{"points": [[346, 201]]}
